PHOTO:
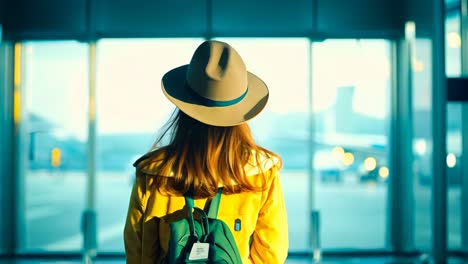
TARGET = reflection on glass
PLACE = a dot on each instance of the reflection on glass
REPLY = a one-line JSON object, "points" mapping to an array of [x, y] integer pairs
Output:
{"points": [[55, 84], [454, 174], [454, 135], [453, 45], [351, 82], [422, 146], [283, 125], [131, 108]]}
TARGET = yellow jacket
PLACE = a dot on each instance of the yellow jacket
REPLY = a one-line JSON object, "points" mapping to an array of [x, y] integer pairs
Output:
{"points": [[262, 214]]}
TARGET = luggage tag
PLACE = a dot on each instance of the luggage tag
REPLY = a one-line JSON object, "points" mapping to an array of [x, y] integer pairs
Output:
{"points": [[199, 251]]}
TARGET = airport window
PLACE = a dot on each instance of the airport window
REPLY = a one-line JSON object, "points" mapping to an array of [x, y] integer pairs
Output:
{"points": [[283, 126], [131, 109], [454, 174], [55, 85], [349, 177], [122, 62], [351, 85], [350, 113], [454, 134], [453, 45], [422, 144], [333, 106]]}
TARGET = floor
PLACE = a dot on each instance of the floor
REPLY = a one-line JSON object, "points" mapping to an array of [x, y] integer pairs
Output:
{"points": [[372, 260], [292, 260]]}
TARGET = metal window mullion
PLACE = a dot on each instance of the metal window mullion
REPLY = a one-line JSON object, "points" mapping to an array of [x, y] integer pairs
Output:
{"points": [[14, 144], [8, 213], [464, 182], [89, 227], [21, 141], [314, 217], [90, 198], [400, 200], [464, 128], [439, 134]]}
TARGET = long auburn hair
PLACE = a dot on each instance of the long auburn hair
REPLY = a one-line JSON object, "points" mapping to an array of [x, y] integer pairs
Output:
{"points": [[200, 157]]}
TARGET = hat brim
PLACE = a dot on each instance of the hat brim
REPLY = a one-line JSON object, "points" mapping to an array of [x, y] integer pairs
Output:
{"points": [[174, 87]]}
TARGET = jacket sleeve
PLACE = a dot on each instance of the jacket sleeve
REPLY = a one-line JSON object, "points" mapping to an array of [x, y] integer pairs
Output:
{"points": [[270, 238], [133, 231]]}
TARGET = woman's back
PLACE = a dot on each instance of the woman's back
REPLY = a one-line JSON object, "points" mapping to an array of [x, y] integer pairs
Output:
{"points": [[266, 242], [209, 149]]}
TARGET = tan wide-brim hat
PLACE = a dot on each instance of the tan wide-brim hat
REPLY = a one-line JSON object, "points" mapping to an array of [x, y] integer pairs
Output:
{"points": [[216, 88]]}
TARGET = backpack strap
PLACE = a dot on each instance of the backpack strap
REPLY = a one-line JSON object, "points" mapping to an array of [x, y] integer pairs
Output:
{"points": [[205, 224], [214, 204], [190, 204]]}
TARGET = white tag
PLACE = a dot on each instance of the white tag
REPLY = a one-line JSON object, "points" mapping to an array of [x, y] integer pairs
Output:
{"points": [[199, 251]]}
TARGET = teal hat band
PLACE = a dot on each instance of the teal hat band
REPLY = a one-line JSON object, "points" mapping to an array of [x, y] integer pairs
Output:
{"points": [[211, 103]]}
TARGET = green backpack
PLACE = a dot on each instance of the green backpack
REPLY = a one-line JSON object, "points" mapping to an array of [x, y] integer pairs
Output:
{"points": [[204, 240]]}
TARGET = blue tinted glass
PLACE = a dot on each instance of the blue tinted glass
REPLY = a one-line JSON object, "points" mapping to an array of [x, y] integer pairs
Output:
{"points": [[283, 126], [454, 132], [131, 109], [55, 84], [453, 45], [422, 143], [351, 84]]}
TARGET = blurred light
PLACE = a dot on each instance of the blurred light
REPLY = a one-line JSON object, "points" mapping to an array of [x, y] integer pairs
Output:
{"points": [[420, 147], [56, 157], [410, 30], [338, 152], [451, 160], [418, 66], [370, 164], [348, 158], [383, 172], [454, 40]]}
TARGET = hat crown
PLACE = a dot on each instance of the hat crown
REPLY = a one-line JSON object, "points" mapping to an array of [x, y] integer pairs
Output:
{"points": [[217, 72]]}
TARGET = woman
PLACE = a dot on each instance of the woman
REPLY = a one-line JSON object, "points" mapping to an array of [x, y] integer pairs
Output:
{"points": [[210, 146]]}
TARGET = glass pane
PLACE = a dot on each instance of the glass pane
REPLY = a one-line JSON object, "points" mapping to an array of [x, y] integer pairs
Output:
{"points": [[454, 134], [454, 173], [55, 83], [283, 125], [422, 144], [351, 84], [131, 108], [453, 45], [422, 149]]}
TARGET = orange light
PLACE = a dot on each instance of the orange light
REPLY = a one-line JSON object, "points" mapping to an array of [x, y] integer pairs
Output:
{"points": [[56, 156], [348, 158], [418, 66], [370, 164], [16, 83], [454, 40], [383, 172], [338, 152]]}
